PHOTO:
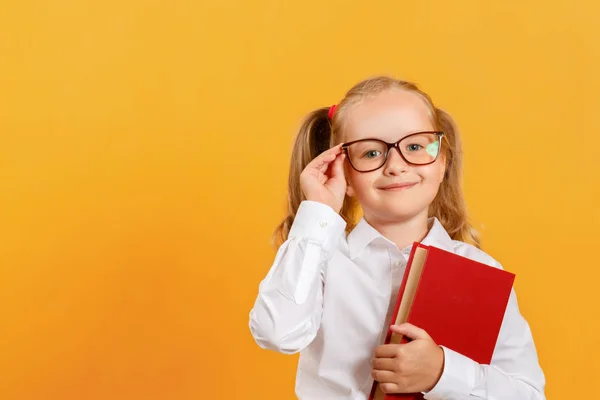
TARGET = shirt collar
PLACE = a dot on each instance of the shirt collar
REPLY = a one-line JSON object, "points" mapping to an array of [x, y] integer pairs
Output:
{"points": [[364, 234]]}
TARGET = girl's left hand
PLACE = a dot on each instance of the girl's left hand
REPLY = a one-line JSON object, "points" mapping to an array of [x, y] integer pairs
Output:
{"points": [[408, 368]]}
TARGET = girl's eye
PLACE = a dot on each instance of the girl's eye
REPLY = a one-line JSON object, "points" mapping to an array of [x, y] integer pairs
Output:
{"points": [[414, 147], [371, 153]]}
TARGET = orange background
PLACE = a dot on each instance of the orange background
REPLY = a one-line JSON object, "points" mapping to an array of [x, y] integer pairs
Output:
{"points": [[144, 148]]}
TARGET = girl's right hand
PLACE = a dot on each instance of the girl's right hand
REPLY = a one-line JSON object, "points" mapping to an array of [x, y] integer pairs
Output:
{"points": [[323, 179]]}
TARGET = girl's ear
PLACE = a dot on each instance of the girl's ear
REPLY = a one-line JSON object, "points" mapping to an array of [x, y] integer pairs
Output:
{"points": [[349, 189]]}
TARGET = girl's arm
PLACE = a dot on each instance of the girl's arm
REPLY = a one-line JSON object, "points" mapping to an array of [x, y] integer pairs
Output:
{"points": [[287, 312]]}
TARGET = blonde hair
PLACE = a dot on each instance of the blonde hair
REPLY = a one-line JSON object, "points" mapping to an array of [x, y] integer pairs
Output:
{"points": [[317, 133]]}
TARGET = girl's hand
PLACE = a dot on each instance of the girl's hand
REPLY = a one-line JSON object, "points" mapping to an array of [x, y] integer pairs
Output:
{"points": [[323, 178], [408, 368]]}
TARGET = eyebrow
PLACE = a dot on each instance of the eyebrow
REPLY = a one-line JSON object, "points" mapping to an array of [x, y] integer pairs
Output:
{"points": [[397, 140]]}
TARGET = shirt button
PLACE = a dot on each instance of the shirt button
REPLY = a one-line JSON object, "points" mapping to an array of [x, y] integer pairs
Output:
{"points": [[323, 224], [398, 263]]}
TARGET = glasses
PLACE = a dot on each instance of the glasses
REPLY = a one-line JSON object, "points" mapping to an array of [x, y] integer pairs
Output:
{"points": [[421, 148]]}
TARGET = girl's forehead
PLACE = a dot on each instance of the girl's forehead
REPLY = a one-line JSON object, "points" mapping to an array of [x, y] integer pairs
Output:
{"points": [[389, 115]]}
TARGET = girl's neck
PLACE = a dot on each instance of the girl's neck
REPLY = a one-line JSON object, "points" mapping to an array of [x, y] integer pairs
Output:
{"points": [[405, 232]]}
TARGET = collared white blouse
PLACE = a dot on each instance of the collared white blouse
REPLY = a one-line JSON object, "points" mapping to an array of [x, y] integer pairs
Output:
{"points": [[330, 297]]}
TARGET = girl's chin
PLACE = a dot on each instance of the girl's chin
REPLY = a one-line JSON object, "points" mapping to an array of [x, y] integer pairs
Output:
{"points": [[391, 214]]}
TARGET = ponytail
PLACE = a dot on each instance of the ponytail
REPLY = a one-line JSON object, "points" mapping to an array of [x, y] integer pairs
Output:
{"points": [[313, 138], [449, 206]]}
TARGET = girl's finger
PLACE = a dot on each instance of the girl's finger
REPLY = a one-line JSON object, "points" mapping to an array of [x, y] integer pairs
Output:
{"points": [[383, 376], [335, 150], [337, 168], [384, 364], [322, 161]]}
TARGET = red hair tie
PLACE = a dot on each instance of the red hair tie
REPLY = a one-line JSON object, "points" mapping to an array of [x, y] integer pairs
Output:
{"points": [[331, 111]]}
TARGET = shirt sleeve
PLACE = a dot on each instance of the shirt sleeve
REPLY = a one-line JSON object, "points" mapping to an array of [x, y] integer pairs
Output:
{"points": [[287, 312], [513, 374]]}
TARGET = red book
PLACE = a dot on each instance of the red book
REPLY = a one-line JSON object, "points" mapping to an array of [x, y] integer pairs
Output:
{"points": [[458, 301]]}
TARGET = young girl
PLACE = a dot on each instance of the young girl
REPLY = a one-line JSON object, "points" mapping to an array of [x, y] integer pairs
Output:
{"points": [[332, 288]]}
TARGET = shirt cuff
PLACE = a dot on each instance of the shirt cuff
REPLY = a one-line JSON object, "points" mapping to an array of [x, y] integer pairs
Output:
{"points": [[457, 380], [318, 223]]}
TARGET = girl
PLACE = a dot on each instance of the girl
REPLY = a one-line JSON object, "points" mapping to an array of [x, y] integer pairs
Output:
{"points": [[332, 287]]}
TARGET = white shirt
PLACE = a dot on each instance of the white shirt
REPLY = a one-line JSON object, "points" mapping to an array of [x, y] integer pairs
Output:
{"points": [[330, 297]]}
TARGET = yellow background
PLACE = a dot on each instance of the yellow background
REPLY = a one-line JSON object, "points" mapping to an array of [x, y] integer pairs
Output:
{"points": [[144, 148]]}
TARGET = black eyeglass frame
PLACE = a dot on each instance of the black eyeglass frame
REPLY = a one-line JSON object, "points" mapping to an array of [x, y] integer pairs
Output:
{"points": [[396, 145]]}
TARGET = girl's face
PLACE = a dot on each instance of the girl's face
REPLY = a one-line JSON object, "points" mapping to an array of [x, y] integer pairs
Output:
{"points": [[397, 191]]}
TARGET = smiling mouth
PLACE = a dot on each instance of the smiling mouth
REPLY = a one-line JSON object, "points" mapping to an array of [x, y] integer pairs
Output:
{"points": [[398, 186]]}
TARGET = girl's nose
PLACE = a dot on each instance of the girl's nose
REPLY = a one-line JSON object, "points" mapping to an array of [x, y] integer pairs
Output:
{"points": [[395, 164]]}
